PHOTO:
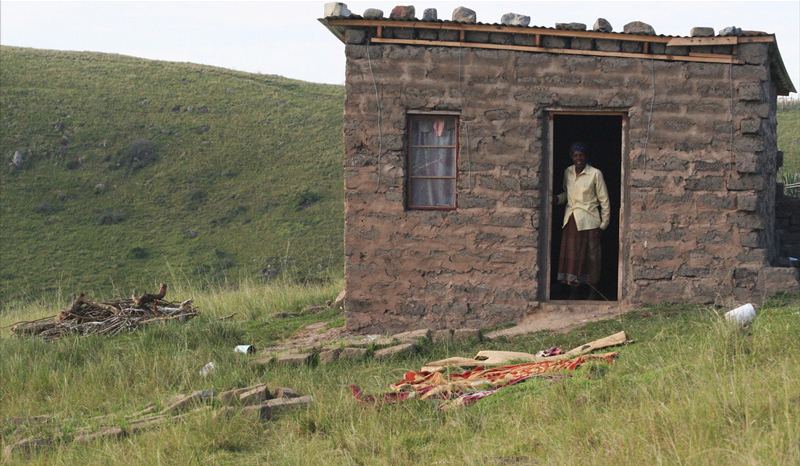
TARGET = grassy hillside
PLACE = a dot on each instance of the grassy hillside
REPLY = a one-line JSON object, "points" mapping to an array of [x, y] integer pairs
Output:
{"points": [[134, 171], [789, 143]]}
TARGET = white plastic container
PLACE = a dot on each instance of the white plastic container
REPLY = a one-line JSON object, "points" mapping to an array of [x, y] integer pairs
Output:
{"points": [[246, 349], [742, 314]]}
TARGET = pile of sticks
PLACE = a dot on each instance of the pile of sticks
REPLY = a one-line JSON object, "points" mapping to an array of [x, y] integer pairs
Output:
{"points": [[84, 317]]}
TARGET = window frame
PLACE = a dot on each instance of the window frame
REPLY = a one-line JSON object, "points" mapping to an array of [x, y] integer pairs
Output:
{"points": [[410, 146]]}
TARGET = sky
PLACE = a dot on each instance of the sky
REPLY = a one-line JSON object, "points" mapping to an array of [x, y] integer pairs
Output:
{"points": [[285, 38]]}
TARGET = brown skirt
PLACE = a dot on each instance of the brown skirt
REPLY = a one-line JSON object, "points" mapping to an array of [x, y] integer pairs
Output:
{"points": [[579, 261]]}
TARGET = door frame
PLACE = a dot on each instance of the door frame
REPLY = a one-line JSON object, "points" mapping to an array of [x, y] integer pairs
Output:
{"points": [[624, 211]]}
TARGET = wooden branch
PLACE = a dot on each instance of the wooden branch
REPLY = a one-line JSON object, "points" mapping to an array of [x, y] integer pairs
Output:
{"points": [[34, 327], [149, 298]]}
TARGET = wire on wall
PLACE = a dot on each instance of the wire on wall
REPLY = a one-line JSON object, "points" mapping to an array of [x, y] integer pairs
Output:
{"points": [[733, 111], [650, 116], [380, 133], [466, 127]]}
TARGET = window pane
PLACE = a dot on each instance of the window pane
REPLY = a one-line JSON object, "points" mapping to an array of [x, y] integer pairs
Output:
{"points": [[432, 193], [433, 131], [433, 162]]}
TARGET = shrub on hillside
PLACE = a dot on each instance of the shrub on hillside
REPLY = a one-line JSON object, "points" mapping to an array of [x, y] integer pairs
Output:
{"points": [[139, 154], [305, 198], [110, 216], [139, 253], [47, 207]]}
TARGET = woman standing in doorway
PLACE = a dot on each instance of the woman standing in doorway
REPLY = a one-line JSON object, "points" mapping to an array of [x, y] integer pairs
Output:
{"points": [[587, 213]]}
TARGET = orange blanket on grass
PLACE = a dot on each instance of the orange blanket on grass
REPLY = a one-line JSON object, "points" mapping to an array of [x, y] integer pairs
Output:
{"points": [[466, 388], [434, 384]]}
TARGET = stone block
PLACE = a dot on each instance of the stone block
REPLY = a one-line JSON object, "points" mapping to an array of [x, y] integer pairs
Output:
{"points": [[746, 163], [272, 407], [372, 13], [448, 35], [27, 446], [571, 26], [330, 355], [104, 433], [442, 336], [401, 12], [336, 9], [705, 183], [632, 47], [297, 359], [751, 239], [661, 291], [524, 39], [683, 51], [602, 25], [555, 42], [182, 403], [750, 125], [754, 54], [781, 280], [500, 38], [467, 334], [514, 19], [581, 43], [413, 336], [702, 32], [232, 396], [746, 182], [477, 36], [747, 202], [285, 392], [354, 36], [658, 49], [256, 395], [353, 353], [638, 27], [730, 31], [604, 45], [464, 15], [430, 14], [399, 350], [718, 202], [427, 34], [660, 254], [648, 273], [749, 91], [686, 270], [749, 144], [284, 404], [405, 33]]}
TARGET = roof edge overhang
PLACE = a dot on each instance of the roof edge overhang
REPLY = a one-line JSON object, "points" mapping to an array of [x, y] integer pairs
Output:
{"points": [[338, 26]]}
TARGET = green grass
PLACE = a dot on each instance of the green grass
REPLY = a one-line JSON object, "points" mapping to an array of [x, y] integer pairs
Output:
{"points": [[789, 143], [692, 389], [211, 174]]}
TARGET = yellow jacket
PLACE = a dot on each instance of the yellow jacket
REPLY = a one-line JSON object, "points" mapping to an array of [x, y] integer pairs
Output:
{"points": [[586, 197]]}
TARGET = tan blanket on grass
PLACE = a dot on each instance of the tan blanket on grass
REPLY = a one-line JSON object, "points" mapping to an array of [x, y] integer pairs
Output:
{"points": [[498, 358]]}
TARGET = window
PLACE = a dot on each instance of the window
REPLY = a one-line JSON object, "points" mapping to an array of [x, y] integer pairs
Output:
{"points": [[432, 149]]}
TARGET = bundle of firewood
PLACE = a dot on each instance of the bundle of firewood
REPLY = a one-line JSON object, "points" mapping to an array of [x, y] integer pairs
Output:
{"points": [[84, 317]]}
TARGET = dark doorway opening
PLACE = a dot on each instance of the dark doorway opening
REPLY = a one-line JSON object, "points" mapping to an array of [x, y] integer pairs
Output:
{"points": [[603, 136]]}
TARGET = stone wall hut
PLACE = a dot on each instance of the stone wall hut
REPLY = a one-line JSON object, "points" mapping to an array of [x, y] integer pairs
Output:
{"points": [[457, 230]]}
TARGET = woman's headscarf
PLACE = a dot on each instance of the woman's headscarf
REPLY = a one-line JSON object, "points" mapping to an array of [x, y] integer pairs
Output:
{"points": [[577, 147]]}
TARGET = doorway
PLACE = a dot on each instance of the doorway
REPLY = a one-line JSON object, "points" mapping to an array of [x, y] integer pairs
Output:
{"points": [[603, 136]]}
